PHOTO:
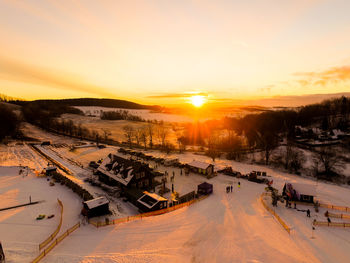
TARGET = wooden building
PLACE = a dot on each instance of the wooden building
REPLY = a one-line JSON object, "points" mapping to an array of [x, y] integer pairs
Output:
{"points": [[126, 173], [205, 188], [151, 202], [96, 207], [200, 167]]}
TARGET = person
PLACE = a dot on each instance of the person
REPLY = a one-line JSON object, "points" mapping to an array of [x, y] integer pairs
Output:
{"points": [[295, 205], [231, 188], [326, 214], [329, 220], [239, 184], [308, 213], [227, 189]]}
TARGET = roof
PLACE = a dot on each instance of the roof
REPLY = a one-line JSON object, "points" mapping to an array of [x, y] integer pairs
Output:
{"points": [[150, 199], [304, 189], [125, 173], [205, 185], [199, 164], [93, 203]]}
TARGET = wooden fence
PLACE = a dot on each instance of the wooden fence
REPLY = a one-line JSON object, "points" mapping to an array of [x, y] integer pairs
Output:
{"points": [[323, 223], [54, 234], [148, 214], [283, 224], [336, 207], [342, 216], [55, 242]]}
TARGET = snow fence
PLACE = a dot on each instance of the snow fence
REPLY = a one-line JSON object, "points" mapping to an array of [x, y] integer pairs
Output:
{"points": [[54, 234], [336, 207], [336, 224], [283, 224], [148, 214], [55, 242]]}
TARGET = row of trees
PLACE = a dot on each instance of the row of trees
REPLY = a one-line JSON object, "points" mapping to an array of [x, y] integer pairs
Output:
{"points": [[9, 123], [149, 135], [120, 115]]}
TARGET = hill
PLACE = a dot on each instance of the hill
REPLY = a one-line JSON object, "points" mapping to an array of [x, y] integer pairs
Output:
{"points": [[109, 103]]}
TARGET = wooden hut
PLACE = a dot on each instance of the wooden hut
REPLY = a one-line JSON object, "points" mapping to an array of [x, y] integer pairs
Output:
{"points": [[151, 202], [96, 207], [205, 188], [200, 167]]}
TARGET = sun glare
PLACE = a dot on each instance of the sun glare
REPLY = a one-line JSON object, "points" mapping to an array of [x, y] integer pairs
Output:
{"points": [[197, 100]]}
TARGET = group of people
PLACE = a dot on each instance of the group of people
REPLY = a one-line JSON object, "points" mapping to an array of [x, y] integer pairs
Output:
{"points": [[229, 188]]}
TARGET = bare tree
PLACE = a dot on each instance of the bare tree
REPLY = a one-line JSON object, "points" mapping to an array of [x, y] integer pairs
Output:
{"points": [[267, 141], [106, 133], [213, 142], [143, 136], [329, 161], [138, 134], [150, 134], [162, 132], [129, 134], [293, 158]]}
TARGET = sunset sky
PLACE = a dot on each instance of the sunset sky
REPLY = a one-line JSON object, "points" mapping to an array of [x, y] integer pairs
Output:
{"points": [[161, 52]]}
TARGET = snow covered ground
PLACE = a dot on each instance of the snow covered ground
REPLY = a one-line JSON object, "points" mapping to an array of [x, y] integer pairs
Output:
{"points": [[232, 227], [144, 114]]}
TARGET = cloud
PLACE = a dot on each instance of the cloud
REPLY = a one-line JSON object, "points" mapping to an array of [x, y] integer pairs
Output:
{"points": [[18, 71], [177, 95], [330, 76]]}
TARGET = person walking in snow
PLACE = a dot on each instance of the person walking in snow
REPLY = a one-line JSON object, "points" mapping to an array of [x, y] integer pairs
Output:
{"points": [[231, 188], [308, 213], [239, 184]]}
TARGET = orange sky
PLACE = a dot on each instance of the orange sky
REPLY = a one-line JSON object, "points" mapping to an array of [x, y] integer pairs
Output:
{"points": [[161, 52]]}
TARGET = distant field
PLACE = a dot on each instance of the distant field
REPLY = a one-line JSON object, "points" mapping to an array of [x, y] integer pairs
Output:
{"points": [[144, 114], [115, 127]]}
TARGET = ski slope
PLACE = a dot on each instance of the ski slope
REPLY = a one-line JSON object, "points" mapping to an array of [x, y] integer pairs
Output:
{"points": [[231, 227]]}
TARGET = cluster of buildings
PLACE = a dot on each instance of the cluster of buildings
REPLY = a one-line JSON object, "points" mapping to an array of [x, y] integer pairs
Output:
{"points": [[136, 181]]}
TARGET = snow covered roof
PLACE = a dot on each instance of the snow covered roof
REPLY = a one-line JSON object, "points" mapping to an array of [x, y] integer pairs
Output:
{"points": [[304, 189], [150, 199], [199, 164], [96, 202], [124, 175]]}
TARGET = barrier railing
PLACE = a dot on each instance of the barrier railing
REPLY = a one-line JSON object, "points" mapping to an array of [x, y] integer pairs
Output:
{"points": [[55, 242], [342, 216], [336, 207], [54, 234], [322, 223], [143, 215], [283, 224]]}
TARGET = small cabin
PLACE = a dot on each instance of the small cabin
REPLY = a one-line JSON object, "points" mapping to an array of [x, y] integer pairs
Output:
{"points": [[200, 167], [299, 192], [151, 202], [205, 188], [96, 207], [50, 169]]}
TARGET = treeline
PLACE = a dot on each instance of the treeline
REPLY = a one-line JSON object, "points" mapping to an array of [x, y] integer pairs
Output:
{"points": [[264, 131], [46, 115], [9, 123], [120, 115], [109, 103]]}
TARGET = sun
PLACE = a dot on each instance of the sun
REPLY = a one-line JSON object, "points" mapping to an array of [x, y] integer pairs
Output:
{"points": [[197, 100]]}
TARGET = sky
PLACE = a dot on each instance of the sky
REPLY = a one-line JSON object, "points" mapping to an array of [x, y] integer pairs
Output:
{"points": [[162, 52]]}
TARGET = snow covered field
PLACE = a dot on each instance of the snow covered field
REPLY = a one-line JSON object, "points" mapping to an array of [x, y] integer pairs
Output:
{"points": [[232, 227], [144, 114]]}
